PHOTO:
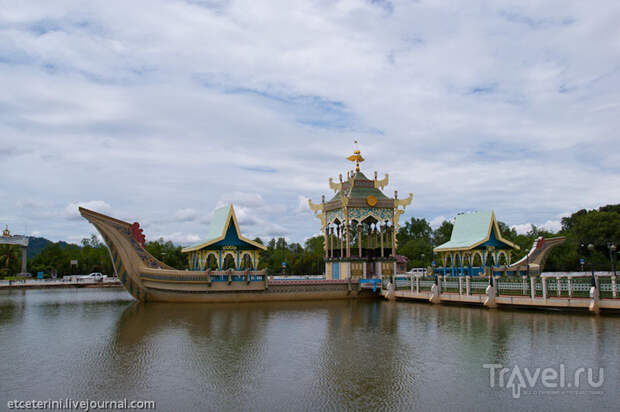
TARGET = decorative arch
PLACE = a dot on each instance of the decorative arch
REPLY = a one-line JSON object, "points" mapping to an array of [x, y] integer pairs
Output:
{"points": [[229, 261], [477, 257], [505, 261], [489, 260], [466, 258], [246, 261], [458, 259], [211, 261]]}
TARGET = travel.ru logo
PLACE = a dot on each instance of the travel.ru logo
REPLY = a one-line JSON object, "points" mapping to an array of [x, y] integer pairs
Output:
{"points": [[554, 380]]}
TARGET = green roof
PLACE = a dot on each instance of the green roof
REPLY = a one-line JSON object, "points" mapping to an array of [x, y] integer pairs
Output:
{"points": [[360, 190], [472, 229], [218, 223]]}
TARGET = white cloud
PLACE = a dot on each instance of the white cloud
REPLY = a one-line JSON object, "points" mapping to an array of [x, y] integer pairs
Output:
{"points": [[302, 205], [179, 238], [511, 107], [186, 215], [241, 199], [552, 226], [437, 221], [522, 229], [72, 212]]}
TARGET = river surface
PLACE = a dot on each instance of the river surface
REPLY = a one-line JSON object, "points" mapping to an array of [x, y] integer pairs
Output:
{"points": [[98, 344]]}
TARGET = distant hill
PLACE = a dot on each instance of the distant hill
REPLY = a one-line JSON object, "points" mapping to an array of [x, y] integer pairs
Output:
{"points": [[36, 245]]}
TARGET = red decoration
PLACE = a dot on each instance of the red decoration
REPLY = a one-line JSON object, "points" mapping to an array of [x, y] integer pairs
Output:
{"points": [[540, 243], [137, 234]]}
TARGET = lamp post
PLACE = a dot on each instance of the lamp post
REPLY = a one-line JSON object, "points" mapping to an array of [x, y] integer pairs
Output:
{"points": [[436, 277], [591, 249], [612, 256]]}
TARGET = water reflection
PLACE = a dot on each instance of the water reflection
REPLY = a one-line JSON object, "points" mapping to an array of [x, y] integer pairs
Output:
{"points": [[369, 355]]}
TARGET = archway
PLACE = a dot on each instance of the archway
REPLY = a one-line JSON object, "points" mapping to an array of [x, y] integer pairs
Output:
{"points": [[489, 262], [466, 264], [448, 264], [457, 264], [246, 262], [229, 262], [476, 263], [212, 262]]}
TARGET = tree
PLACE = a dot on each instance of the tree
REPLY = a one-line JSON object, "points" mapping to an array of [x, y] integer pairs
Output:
{"points": [[9, 259], [442, 234]]}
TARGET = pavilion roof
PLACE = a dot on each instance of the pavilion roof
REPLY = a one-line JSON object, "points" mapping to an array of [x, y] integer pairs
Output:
{"points": [[359, 187], [472, 230], [218, 228]]}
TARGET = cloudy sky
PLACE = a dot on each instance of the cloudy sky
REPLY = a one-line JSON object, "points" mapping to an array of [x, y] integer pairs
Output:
{"points": [[159, 111]]}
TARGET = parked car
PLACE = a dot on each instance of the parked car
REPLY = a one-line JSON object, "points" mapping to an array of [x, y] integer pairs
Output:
{"points": [[94, 276]]}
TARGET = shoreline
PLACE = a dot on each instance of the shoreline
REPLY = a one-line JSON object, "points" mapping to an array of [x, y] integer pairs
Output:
{"points": [[59, 284]]}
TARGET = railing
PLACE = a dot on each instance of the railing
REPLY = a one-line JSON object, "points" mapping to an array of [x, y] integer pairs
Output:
{"points": [[546, 286], [370, 283]]}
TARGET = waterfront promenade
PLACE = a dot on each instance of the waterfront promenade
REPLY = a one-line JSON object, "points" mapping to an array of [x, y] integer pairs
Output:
{"points": [[73, 282], [551, 290]]}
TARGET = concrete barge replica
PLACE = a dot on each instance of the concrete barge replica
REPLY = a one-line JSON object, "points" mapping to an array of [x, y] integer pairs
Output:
{"points": [[150, 280]]}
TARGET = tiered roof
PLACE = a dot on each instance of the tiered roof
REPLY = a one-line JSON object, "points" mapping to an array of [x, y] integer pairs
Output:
{"points": [[357, 190]]}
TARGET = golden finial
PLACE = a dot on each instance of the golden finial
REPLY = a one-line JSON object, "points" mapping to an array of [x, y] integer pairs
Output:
{"points": [[356, 157], [6, 232]]}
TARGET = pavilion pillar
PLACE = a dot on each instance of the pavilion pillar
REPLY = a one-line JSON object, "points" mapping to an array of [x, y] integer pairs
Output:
{"points": [[374, 238], [326, 239], [331, 242], [393, 239], [24, 259], [381, 229], [359, 238], [348, 239], [341, 236]]}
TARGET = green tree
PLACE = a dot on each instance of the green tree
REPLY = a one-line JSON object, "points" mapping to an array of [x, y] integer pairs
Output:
{"points": [[442, 234], [9, 259]]}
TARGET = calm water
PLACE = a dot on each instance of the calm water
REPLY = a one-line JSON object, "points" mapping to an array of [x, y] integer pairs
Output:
{"points": [[372, 355]]}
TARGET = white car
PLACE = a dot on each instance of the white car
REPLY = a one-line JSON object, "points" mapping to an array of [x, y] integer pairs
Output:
{"points": [[94, 276]]}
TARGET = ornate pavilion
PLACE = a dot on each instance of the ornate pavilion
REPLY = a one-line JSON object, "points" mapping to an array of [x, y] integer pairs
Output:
{"points": [[359, 224], [475, 244], [225, 247]]}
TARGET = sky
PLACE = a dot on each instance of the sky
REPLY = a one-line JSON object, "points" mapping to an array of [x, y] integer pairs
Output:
{"points": [[161, 111]]}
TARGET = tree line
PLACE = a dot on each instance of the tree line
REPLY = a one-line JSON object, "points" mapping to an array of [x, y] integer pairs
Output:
{"points": [[416, 240]]}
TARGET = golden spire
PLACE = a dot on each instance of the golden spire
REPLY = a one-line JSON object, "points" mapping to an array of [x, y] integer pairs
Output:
{"points": [[6, 232], [356, 157]]}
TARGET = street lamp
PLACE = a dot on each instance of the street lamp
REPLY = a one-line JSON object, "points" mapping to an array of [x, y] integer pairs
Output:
{"points": [[591, 249], [612, 256], [436, 277]]}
